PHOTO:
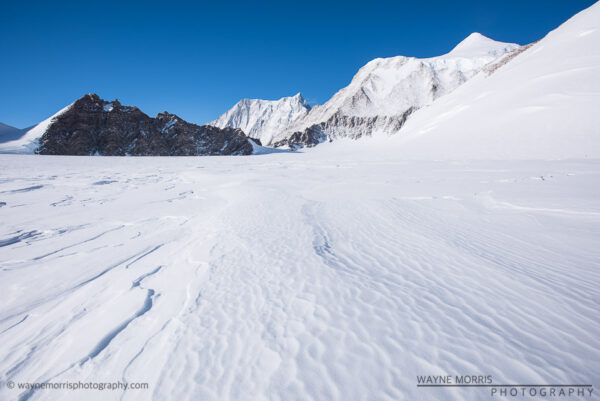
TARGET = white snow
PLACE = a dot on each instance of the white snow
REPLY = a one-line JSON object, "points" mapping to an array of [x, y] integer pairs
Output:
{"points": [[263, 119], [476, 45], [30, 140], [296, 276], [108, 107]]}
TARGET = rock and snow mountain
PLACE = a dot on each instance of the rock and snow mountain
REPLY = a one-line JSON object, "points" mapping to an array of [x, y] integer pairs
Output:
{"points": [[387, 90], [264, 119], [92, 126]]}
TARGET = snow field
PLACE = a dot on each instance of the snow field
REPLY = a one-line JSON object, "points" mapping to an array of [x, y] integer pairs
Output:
{"points": [[296, 276]]}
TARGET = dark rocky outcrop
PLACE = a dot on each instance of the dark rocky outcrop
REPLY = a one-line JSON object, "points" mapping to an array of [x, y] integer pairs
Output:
{"points": [[94, 126]]}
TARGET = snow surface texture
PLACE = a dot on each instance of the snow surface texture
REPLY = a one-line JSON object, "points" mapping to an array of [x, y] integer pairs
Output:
{"points": [[263, 119], [541, 104], [30, 140], [389, 87], [307, 276]]}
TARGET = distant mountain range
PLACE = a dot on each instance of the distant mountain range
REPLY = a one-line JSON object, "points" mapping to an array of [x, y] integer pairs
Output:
{"points": [[538, 96], [379, 99]]}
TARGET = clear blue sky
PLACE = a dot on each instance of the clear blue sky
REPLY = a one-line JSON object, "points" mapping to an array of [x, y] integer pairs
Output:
{"points": [[197, 59]]}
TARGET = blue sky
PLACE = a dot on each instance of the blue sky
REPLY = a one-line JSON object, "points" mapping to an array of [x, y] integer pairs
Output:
{"points": [[197, 59]]}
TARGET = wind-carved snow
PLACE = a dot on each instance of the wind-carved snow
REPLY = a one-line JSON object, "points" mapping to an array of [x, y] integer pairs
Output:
{"points": [[263, 119], [312, 276]]}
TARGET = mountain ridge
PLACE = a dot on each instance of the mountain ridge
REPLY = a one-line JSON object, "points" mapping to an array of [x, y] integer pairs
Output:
{"points": [[380, 97]]}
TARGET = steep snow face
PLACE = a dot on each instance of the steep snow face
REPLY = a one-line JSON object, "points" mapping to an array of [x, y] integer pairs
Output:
{"points": [[542, 104], [387, 88], [263, 119], [29, 142]]}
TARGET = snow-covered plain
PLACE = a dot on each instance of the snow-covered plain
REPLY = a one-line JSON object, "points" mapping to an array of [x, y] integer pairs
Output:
{"points": [[296, 276]]}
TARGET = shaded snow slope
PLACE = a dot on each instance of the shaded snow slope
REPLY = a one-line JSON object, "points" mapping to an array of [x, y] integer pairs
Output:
{"points": [[302, 276], [542, 104], [263, 119], [9, 133], [29, 142]]}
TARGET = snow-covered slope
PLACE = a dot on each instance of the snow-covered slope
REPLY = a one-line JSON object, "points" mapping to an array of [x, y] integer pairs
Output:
{"points": [[263, 119], [386, 90], [30, 141], [544, 103]]}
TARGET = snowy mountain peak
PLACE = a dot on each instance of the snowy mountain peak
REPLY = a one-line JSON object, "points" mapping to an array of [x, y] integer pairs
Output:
{"points": [[300, 99], [478, 45], [263, 119], [385, 91]]}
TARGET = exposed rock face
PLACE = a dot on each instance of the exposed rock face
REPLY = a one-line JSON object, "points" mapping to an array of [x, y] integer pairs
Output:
{"points": [[495, 65], [94, 126], [340, 125]]}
